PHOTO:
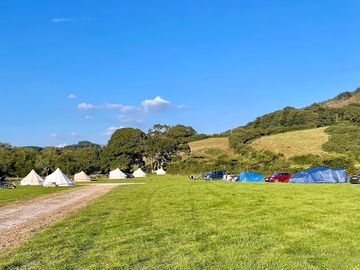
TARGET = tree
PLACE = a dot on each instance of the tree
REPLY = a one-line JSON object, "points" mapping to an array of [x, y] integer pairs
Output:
{"points": [[125, 149], [47, 161], [7, 160], [25, 159]]}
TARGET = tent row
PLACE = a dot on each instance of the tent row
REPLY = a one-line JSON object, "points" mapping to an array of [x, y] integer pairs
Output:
{"points": [[57, 178], [313, 175], [139, 173]]}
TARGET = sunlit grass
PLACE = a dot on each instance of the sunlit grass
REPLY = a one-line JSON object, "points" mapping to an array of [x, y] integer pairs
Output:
{"points": [[26, 192], [294, 143], [172, 223]]}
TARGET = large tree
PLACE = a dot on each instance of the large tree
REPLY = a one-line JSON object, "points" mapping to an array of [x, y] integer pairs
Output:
{"points": [[125, 149]]}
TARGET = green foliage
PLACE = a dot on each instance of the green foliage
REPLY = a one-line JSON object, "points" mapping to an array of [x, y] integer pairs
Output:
{"points": [[125, 149], [344, 139]]}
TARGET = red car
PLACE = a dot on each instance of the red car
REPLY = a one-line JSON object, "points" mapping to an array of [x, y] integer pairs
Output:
{"points": [[279, 177]]}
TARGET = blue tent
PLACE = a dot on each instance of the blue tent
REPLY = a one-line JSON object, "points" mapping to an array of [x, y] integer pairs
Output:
{"points": [[342, 175], [250, 177], [320, 175]]}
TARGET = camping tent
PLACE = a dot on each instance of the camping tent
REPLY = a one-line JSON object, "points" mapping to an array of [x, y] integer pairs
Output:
{"points": [[320, 175], [117, 174], [58, 178], [139, 173], [32, 179], [161, 172], [82, 176], [250, 177], [342, 175]]}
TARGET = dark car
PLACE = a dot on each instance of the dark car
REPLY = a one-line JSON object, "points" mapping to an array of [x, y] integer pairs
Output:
{"points": [[355, 179], [279, 177], [214, 175], [6, 185]]}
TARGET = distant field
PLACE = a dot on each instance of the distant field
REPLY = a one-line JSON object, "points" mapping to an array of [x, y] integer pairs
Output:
{"points": [[210, 143], [173, 223], [25, 193], [294, 143]]}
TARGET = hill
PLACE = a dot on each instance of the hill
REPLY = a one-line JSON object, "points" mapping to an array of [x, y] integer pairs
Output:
{"points": [[344, 99], [210, 144], [291, 139], [294, 143]]}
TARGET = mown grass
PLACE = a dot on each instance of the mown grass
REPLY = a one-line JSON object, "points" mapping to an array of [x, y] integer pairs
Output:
{"points": [[25, 193], [172, 223], [294, 143]]}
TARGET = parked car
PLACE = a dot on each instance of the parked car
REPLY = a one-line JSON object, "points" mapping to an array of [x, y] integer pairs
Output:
{"points": [[6, 185], [355, 179], [279, 177], [214, 175]]}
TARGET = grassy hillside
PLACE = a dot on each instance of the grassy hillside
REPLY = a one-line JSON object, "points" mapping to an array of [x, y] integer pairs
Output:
{"points": [[294, 143], [210, 144], [344, 99], [173, 223]]}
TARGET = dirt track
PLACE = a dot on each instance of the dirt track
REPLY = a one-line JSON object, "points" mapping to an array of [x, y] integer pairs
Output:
{"points": [[19, 220]]}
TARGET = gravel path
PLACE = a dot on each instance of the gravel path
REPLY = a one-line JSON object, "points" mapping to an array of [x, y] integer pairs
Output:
{"points": [[18, 221]]}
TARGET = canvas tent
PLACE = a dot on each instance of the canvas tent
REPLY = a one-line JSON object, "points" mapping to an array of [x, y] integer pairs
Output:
{"points": [[139, 173], [320, 175], [250, 177], [58, 178], [160, 172], [32, 179], [117, 174], [82, 176]]}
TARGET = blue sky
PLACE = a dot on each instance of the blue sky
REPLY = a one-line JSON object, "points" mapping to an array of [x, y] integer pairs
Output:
{"points": [[210, 64]]}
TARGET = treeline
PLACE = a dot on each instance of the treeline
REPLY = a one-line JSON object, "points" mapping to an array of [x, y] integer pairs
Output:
{"points": [[127, 149], [265, 162]]}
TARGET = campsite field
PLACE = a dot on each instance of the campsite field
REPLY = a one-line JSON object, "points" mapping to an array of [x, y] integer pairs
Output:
{"points": [[25, 193], [172, 223]]}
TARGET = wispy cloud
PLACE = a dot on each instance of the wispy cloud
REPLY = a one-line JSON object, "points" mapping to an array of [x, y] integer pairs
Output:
{"points": [[85, 106], [71, 96], [69, 19], [120, 107], [132, 115], [62, 20], [181, 106]]}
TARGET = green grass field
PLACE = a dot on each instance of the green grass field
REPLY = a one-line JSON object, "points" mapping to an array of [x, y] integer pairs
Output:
{"points": [[294, 143], [172, 223], [25, 193]]}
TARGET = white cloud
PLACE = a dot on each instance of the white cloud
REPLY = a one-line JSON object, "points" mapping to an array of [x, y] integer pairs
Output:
{"points": [[121, 107], [74, 134], [71, 96], [86, 106], [181, 106], [109, 131], [157, 104], [131, 120], [62, 20], [54, 135], [89, 117], [62, 145]]}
